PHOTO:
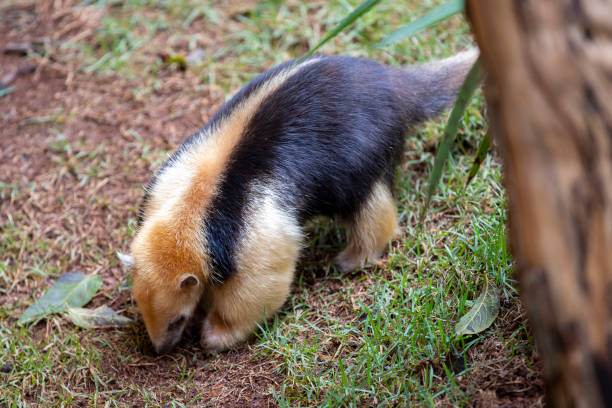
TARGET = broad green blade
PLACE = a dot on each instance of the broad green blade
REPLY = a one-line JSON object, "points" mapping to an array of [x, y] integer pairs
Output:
{"points": [[450, 132], [6, 91], [73, 289], [483, 148], [482, 314], [102, 316], [355, 14], [433, 17]]}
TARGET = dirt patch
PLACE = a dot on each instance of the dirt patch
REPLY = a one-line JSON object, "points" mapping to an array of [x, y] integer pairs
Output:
{"points": [[236, 379]]}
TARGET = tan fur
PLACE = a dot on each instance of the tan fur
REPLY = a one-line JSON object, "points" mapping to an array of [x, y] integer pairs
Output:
{"points": [[267, 257], [371, 230], [161, 301], [170, 244]]}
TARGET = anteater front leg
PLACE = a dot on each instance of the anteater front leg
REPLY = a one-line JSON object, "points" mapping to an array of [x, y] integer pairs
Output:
{"points": [[266, 259], [241, 303], [370, 230]]}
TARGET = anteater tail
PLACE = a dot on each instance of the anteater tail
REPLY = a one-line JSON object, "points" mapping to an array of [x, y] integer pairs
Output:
{"points": [[430, 88]]}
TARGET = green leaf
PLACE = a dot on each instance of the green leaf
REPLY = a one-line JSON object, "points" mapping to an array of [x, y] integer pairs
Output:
{"points": [[433, 17], [73, 289], [100, 317], [6, 91], [178, 60], [450, 132], [355, 14], [483, 148], [482, 314]]}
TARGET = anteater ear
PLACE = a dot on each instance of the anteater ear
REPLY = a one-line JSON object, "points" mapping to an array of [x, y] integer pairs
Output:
{"points": [[126, 259], [188, 281]]}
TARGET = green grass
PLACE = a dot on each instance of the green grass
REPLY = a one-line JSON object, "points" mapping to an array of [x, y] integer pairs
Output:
{"points": [[372, 352], [268, 33], [380, 337]]}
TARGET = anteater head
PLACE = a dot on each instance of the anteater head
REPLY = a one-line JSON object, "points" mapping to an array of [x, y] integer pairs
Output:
{"points": [[168, 280]]}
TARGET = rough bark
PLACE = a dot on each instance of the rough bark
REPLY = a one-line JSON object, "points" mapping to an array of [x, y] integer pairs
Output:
{"points": [[549, 90]]}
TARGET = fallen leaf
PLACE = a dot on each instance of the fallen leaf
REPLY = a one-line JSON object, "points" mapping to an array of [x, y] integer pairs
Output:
{"points": [[179, 60], [168, 59], [6, 91], [99, 317], [73, 289], [482, 314]]}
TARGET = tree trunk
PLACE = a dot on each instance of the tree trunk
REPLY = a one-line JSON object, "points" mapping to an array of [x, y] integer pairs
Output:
{"points": [[549, 91]]}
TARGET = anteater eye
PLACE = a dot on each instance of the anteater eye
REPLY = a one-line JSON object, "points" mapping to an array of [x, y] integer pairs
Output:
{"points": [[176, 323]]}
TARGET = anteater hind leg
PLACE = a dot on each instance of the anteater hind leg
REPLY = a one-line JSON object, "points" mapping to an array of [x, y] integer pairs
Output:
{"points": [[370, 230], [266, 260]]}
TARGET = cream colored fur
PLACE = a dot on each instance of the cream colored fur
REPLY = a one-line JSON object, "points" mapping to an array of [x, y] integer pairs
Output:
{"points": [[370, 230], [267, 255]]}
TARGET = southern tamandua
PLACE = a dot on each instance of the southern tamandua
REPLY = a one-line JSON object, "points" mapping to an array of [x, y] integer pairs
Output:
{"points": [[223, 216]]}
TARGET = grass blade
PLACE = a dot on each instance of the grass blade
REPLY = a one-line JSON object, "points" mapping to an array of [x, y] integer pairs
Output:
{"points": [[6, 91], [450, 132], [355, 14], [483, 148], [434, 16]]}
